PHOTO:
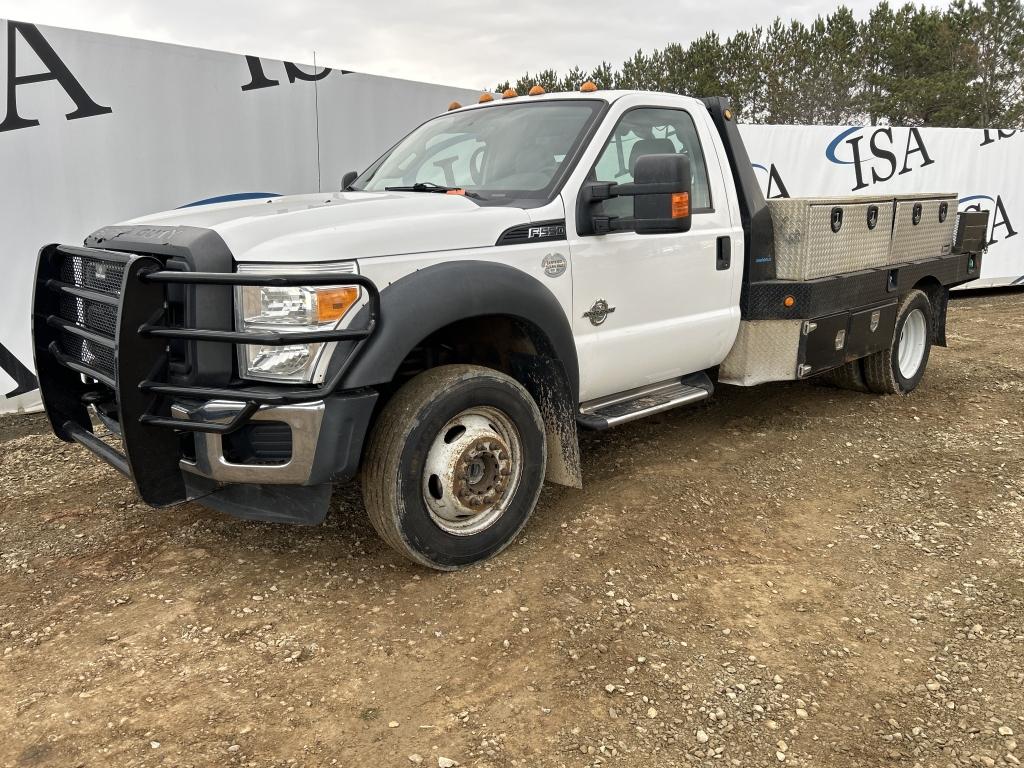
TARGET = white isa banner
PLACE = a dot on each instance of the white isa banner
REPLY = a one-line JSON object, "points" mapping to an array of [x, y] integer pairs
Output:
{"points": [[984, 168], [96, 129]]}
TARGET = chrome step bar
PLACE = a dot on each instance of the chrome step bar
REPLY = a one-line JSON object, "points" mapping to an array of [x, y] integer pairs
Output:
{"points": [[613, 410]]}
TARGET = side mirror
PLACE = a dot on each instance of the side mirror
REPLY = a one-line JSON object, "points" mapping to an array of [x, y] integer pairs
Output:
{"points": [[347, 179], [666, 207], [661, 199]]}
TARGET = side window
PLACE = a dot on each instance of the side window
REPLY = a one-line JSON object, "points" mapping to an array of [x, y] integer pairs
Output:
{"points": [[651, 131]]}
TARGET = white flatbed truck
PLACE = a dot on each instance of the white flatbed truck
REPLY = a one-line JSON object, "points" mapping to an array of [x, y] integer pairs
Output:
{"points": [[509, 272]]}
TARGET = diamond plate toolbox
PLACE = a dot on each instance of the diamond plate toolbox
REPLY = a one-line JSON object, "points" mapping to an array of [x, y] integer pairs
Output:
{"points": [[923, 227], [820, 236]]}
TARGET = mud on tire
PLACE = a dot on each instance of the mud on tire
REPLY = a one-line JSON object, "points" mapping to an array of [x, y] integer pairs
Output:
{"points": [[454, 466]]}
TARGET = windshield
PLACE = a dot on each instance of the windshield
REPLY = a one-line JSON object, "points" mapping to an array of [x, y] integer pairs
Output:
{"points": [[503, 152]]}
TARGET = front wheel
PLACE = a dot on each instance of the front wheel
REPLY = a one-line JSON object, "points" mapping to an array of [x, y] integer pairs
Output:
{"points": [[454, 465], [899, 368]]}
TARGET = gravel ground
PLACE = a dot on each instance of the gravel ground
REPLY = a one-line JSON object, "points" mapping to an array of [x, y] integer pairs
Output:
{"points": [[791, 575]]}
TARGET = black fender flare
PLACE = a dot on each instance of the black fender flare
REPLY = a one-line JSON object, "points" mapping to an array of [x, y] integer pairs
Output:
{"points": [[427, 300]]}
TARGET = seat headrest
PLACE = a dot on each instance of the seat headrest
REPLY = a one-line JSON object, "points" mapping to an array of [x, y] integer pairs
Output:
{"points": [[649, 147]]}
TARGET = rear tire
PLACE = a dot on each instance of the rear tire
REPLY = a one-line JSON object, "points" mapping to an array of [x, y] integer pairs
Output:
{"points": [[454, 466], [898, 369], [849, 376]]}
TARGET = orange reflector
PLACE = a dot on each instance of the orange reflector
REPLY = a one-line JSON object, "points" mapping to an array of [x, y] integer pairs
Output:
{"points": [[485, 97], [454, 105], [509, 93], [333, 303], [788, 302], [588, 87], [455, 192], [680, 205], [728, 114], [537, 90]]}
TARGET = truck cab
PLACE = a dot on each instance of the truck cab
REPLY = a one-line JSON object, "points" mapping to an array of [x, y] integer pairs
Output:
{"points": [[442, 326]]}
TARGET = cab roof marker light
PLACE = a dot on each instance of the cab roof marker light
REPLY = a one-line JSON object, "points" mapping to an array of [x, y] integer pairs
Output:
{"points": [[588, 87], [537, 90], [454, 105], [509, 93], [486, 96]]}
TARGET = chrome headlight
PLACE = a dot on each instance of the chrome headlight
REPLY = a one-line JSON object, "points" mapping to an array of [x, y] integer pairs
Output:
{"points": [[289, 309]]}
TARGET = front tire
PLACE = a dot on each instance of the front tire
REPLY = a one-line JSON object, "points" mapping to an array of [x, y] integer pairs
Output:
{"points": [[898, 369], [454, 466]]}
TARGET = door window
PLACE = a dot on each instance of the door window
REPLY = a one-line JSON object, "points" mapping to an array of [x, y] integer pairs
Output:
{"points": [[651, 131]]}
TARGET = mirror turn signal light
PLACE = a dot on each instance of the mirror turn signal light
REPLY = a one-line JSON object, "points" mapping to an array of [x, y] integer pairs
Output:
{"points": [[485, 97], [680, 205], [588, 87], [537, 90]]}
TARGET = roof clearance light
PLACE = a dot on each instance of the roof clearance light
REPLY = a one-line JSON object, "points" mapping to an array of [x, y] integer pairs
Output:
{"points": [[588, 87], [537, 90], [510, 93], [485, 97], [454, 105]]}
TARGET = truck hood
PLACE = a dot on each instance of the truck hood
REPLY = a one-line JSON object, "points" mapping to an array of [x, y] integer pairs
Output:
{"points": [[345, 225]]}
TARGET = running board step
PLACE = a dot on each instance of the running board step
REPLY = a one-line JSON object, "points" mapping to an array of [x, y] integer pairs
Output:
{"points": [[645, 401]]}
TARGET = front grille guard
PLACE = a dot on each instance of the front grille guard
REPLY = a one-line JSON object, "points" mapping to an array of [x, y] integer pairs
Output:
{"points": [[139, 382]]}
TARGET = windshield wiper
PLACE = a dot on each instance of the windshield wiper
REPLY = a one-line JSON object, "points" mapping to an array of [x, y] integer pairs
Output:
{"points": [[429, 186]]}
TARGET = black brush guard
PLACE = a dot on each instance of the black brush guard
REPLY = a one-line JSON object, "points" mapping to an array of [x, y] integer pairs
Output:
{"points": [[101, 337]]}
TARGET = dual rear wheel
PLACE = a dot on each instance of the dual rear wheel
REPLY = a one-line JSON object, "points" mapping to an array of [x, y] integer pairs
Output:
{"points": [[899, 368]]}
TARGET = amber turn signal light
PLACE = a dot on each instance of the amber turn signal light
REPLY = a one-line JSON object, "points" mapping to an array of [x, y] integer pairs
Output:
{"points": [[333, 303], [680, 205]]}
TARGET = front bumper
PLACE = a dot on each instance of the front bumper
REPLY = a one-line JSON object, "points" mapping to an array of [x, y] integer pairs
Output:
{"points": [[323, 441], [107, 337]]}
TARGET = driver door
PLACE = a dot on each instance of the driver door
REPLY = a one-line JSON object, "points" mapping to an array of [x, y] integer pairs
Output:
{"points": [[649, 308]]}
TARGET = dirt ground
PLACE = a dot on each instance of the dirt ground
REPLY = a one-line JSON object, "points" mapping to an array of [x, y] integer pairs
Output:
{"points": [[791, 575]]}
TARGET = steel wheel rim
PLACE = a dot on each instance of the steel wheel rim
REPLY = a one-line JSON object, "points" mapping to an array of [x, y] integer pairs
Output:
{"points": [[472, 470], [913, 340]]}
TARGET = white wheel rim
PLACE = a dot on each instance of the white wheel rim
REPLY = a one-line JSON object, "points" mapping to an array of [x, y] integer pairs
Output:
{"points": [[472, 471], [913, 340]]}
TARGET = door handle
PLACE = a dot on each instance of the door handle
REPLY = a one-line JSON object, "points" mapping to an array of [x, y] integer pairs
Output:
{"points": [[723, 255]]}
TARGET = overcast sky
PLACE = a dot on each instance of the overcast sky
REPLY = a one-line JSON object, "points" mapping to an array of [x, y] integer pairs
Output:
{"points": [[456, 42]]}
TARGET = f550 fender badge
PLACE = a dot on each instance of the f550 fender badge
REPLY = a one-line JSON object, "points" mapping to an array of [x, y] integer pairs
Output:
{"points": [[598, 313], [554, 265]]}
